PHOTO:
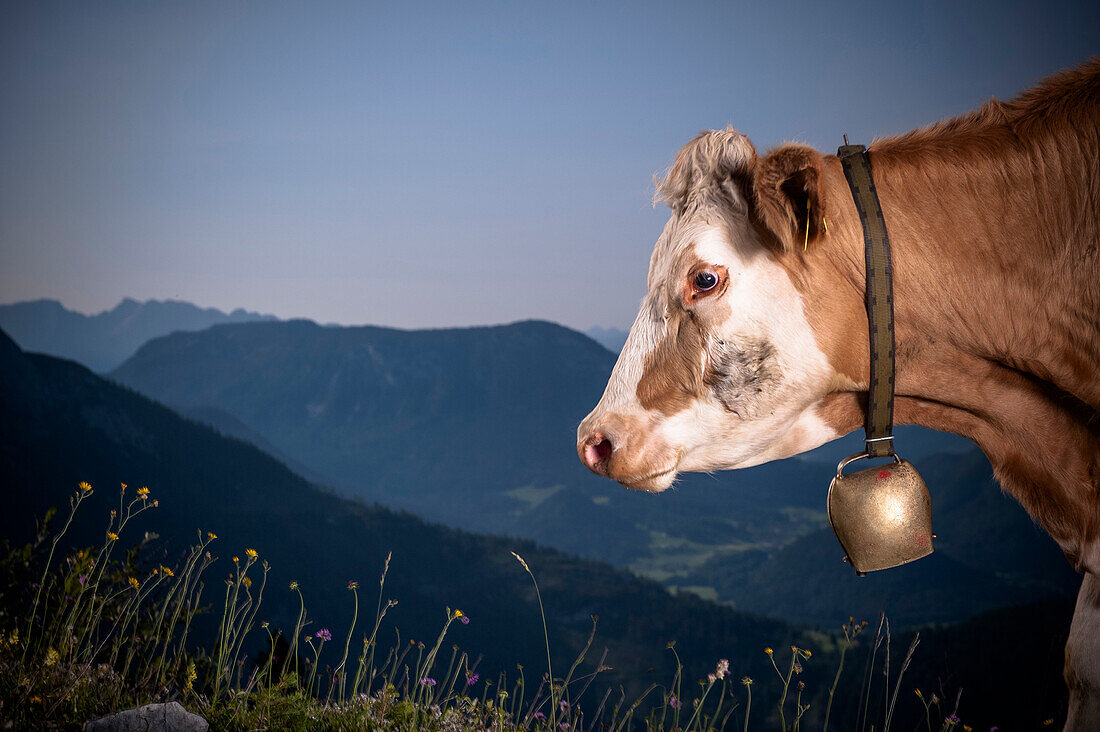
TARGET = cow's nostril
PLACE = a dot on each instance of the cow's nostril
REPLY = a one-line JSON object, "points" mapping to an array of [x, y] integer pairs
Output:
{"points": [[597, 452], [603, 449]]}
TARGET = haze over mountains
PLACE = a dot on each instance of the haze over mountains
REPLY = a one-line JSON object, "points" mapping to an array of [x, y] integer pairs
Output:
{"points": [[474, 428], [103, 341]]}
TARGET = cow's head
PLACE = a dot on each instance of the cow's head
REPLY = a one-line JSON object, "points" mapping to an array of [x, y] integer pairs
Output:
{"points": [[722, 368]]}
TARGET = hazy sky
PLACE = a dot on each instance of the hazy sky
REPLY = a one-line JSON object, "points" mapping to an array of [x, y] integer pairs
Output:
{"points": [[442, 164]]}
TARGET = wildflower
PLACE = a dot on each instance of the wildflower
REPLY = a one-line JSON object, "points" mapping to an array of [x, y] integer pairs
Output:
{"points": [[769, 651], [134, 583], [801, 685], [353, 585], [211, 535], [143, 491], [917, 692], [807, 653], [472, 679], [251, 553], [746, 681], [123, 487], [723, 668], [427, 681], [236, 559], [156, 504], [458, 614], [82, 579], [540, 715], [52, 657], [465, 619], [1048, 722], [967, 728], [674, 702], [324, 634], [264, 624], [112, 536], [294, 585], [167, 571], [563, 705], [84, 486], [191, 676], [951, 719], [247, 582]]}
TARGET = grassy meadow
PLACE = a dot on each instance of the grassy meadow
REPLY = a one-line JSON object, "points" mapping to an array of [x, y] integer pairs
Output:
{"points": [[88, 631]]}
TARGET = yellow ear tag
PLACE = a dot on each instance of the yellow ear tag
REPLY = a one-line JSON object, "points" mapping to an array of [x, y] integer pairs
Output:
{"points": [[806, 242]]}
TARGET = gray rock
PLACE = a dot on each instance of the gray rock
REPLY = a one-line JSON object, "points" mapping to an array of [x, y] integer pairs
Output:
{"points": [[170, 717]]}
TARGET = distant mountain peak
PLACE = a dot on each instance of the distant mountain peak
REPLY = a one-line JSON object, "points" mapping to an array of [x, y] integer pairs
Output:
{"points": [[104, 340]]}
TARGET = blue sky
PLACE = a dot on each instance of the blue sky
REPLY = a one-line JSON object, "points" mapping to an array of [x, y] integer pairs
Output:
{"points": [[441, 164]]}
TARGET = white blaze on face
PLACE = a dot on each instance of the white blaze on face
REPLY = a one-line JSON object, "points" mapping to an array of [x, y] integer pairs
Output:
{"points": [[760, 371]]}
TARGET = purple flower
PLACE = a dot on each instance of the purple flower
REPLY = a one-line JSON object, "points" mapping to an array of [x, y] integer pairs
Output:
{"points": [[427, 681], [82, 579], [471, 680], [953, 719], [540, 715], [563, 705], [674, 702], [324, 634], [465, 620]]}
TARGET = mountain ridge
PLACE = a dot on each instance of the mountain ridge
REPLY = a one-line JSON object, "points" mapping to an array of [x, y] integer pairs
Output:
{"points": [[103, 340]]}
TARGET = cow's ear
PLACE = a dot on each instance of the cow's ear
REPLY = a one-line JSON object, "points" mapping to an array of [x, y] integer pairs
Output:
{"points": [[788, 197], [715, 161]]}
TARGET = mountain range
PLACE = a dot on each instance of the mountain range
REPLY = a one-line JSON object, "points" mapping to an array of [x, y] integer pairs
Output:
{"points": [[103, 341], [474, 428], [59, 423]]}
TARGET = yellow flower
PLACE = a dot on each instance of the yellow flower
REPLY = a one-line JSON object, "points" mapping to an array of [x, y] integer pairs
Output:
{"points": [[211, 535], [134, 583], [246, 581], [769, 651], [917, 692], [84, 486], [143, 491], [191, 676], [251, 553], [112, 536], [167, 571], [459, 613], [123, 486], [52, 657], [236, 559], [808, 653]]}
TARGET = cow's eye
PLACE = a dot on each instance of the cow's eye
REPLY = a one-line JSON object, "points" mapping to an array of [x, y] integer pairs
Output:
{"points": [[705, 280]]}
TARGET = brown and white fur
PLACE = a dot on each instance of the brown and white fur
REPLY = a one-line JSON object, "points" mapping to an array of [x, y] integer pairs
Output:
{"points": [[994, 221]]}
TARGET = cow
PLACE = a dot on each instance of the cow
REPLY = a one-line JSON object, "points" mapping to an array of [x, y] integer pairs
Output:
{"points": [[751, 342]]}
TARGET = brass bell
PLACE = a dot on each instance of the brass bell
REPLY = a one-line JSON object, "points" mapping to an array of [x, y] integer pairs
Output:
{"points": [[881, 516]]}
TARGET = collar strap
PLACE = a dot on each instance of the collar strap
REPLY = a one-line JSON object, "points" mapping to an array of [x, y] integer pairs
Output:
{"points": [[880, 300]]}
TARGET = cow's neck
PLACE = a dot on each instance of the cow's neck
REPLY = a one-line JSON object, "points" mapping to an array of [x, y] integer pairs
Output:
{"points": [[996, 329]]}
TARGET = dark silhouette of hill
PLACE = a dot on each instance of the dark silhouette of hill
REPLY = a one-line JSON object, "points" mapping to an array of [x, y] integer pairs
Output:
{"points": [[103, 341], [475, 428]]}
